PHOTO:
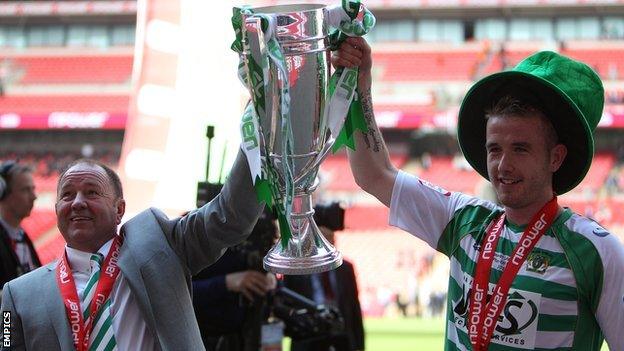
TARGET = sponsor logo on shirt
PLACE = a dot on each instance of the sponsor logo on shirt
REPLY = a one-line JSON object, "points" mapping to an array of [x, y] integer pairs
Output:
{"points": [[516, 325]]}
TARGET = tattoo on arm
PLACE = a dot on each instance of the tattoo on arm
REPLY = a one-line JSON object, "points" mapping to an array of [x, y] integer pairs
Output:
{"points": [[373, 131]]}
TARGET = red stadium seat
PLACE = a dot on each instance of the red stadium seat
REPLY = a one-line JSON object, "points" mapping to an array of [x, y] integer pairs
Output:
{"points": [[51, 249], [38, 223], [420, 65], [444, 174], [87, 69]]}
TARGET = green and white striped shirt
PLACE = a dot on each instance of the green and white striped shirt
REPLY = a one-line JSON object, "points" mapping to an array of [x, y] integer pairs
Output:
{"points": [[568, 295]]}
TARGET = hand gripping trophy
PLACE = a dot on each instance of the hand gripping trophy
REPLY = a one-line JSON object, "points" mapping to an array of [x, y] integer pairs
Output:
{"points": [[297, 114]]}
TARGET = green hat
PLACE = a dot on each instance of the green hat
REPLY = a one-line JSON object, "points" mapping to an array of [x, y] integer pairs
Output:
{"points": [[570, 93]]}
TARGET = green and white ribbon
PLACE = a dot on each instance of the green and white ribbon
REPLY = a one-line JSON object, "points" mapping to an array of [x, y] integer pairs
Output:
{"points": [[261, 166], [350, 18]]}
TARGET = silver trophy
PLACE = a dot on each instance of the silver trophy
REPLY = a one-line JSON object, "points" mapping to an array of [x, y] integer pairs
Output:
{"points": [[302, 33]]}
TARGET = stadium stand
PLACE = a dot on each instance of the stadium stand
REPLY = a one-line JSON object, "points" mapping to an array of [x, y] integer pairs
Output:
{"points": [[602, 164], [447, 174], [336, 174], [89, 68], [39, 222], [426, 62], [50, 249]]}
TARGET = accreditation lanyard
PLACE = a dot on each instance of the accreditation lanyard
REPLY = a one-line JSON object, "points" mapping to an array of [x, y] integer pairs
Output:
{"points": [[65, 280], [483, 316]]}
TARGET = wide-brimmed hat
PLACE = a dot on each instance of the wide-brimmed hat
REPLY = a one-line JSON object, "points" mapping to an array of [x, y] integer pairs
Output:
{"points": [[569, 91]]}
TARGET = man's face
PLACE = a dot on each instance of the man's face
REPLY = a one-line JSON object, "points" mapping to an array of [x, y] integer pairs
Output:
{"points": [[19, 202], [87, 209], [520, 163]]}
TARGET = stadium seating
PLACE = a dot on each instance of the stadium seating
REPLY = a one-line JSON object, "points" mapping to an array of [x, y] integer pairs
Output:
{"points": [[384, 258], [336, 173], [73, 69], [412, 62], [607, 58], [597, 175], [366, 217], [50, 249], [443, 173], [39, 222]]}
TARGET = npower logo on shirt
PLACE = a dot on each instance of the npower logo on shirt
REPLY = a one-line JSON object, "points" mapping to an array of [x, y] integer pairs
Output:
{"points": [[517, 323]]}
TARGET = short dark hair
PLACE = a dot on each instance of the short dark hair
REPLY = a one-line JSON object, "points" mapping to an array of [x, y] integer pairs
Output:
{"points": [[10, 169], [515, 106], [112, 175]]}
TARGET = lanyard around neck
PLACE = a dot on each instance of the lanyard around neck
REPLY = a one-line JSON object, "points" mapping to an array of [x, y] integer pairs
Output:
{"points": [[483, 314], [81, 329]]}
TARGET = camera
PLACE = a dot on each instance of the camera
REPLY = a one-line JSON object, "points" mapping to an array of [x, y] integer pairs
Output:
{"points": [[303, 318], [329, 215]]}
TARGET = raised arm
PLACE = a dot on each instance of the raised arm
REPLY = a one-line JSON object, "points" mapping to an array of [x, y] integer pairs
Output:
{"points": [[370, 163]]}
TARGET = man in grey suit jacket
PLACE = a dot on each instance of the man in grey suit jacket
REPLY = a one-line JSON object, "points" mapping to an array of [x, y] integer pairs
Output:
{"points": [[150, 301]]}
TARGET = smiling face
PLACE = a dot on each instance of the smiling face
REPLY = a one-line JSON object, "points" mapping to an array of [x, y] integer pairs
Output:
{"points": [[87, 207], [521, 161]]}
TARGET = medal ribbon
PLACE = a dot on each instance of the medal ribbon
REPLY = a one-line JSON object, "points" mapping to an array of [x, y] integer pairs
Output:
{"points": [[65, 279], [483, 317]]}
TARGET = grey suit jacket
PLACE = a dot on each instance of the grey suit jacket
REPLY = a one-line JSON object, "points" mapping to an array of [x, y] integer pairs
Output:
{"points": [[157, 259]]}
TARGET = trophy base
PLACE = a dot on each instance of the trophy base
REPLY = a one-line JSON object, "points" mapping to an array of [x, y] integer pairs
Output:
{"points": [[307, 251], [279, 263]]}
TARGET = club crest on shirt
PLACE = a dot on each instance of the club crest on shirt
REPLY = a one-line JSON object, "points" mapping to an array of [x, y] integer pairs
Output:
{"points": [[537, 262]]}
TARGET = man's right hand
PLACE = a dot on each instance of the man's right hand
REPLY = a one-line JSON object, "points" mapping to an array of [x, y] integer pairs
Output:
{"points": [[248, 283], [355, 52]]}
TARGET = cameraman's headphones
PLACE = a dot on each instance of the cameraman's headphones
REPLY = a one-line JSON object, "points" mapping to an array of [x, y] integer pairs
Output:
{"points": [[4, 171]]}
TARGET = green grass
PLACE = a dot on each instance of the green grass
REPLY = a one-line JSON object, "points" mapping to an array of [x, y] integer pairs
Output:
{"points": [[400, 334], [404, 334]]}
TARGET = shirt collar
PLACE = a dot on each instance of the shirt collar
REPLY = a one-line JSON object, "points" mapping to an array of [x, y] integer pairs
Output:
{"points": [[80, 261]]}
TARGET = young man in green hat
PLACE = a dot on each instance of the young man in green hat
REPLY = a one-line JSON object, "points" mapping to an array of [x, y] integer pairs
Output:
{"points": [[530, 274]]}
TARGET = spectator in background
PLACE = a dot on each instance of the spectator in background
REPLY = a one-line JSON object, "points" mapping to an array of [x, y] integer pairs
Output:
{"points": [[425, 160], [17, 196]]}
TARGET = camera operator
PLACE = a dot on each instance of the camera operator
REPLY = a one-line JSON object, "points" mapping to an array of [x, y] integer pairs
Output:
{"points": [[337, 288], [230, 297]]}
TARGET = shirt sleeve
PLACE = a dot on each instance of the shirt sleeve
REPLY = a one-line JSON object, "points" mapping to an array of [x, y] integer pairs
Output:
{"points": [[423, 209], [201, 237], [610, 312]]}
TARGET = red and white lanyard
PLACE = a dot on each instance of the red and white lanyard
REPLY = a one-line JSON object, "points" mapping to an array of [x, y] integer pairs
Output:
{"points": [[482, 317], [65, 280]]}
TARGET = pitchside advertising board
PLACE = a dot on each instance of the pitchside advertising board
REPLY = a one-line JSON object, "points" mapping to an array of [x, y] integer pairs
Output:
{"points": [[388, 117], [63, 120], [613, 117]]}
